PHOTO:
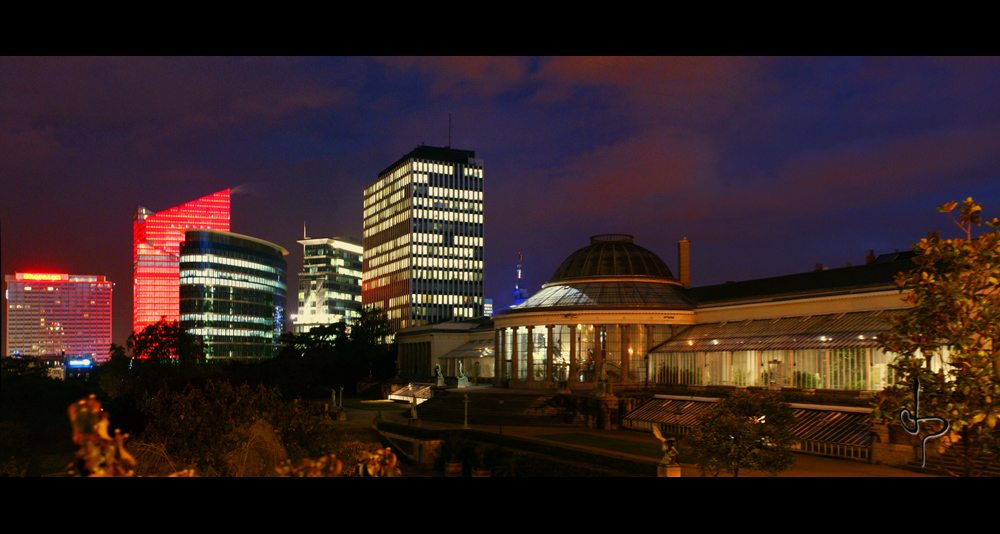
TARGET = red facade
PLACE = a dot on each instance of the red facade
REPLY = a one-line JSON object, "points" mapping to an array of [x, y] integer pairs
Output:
{"points": [[155, 254]]}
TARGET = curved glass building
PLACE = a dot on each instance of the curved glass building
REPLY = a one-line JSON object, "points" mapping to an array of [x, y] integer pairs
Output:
{"points": [[604, 306], [232, 293]]}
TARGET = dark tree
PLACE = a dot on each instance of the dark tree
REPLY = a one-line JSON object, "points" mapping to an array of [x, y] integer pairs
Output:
{"points": [[747, 430], [164, 340], [371, 348]]}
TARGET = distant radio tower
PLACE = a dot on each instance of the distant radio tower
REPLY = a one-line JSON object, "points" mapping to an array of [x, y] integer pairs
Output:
{"points": [[517, 281]]}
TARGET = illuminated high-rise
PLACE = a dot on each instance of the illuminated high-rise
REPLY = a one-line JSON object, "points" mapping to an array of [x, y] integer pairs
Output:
{"points": [[423, 238], [56, 313], [156, 247], [232, 294], [330, 282]]}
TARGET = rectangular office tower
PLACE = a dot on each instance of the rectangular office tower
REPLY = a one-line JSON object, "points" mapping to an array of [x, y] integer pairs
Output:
{"points": [[157, 239], [53, 313], [423, 238], [330, 283]]}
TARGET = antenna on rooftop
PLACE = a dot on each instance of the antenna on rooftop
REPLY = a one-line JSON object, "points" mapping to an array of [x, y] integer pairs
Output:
{"points": [[304, 230]]}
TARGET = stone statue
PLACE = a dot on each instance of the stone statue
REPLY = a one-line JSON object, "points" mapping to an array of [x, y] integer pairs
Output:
{"points": [[670, 451], [440, 374], [461, 373]]}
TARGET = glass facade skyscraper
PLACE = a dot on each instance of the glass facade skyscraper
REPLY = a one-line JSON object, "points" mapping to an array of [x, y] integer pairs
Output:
{"points": [[48, 314], [232, 293], [423, 238], [156, 245], [330, 282]]}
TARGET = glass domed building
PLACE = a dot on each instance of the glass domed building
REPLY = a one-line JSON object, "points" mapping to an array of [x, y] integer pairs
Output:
{"points": [[604, 307]]}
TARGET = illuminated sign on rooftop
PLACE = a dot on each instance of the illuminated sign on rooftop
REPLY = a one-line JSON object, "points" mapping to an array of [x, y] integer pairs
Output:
{"points": [[40, 276]]}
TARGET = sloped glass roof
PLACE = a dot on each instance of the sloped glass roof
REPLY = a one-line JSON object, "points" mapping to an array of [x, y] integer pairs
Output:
{"points": [[830, 425], [480, 348], [608, 294], [844, 330]]}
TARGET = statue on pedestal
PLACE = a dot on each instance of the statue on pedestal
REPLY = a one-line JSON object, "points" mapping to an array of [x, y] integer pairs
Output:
{"points": [[440, 376], [463, 379], [669, 467]]}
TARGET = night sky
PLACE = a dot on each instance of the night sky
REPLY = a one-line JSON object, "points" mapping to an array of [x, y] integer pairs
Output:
{"points": [[767, 165]]}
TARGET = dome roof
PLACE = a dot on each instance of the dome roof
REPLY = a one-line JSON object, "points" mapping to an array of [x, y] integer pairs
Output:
{"points": [[611, 255]]}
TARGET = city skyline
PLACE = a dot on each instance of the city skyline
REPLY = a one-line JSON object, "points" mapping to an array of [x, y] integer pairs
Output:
{"points": [[767, 166]]}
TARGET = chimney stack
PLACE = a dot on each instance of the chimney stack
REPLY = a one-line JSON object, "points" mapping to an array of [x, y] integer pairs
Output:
{"points": [[819, 267], [684, 262], [870, 257]]}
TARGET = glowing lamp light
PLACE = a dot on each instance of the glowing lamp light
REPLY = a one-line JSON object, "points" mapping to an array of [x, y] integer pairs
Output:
{"points": [[79, 363]]}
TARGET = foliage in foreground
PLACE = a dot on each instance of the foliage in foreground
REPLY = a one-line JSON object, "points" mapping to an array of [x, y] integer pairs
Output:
{"points": [[747, 430], [104, 455], [955, 306]]}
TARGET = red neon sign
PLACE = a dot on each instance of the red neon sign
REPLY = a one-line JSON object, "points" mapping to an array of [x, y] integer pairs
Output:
{"points": [[41, 276]]}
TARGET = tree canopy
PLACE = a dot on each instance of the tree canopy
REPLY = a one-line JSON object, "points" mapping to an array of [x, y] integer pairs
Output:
{"points": [[949, 339], [335, 355], [747, 430], [163, 340]]}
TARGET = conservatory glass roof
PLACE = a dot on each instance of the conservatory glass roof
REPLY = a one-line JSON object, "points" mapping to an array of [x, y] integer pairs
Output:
{"points": [[611, 294]]}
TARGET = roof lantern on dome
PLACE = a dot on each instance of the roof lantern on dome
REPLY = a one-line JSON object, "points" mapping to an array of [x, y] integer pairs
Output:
{"points": [[612, 256]]}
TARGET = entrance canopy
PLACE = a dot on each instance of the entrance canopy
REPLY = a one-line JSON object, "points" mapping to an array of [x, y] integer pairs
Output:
{"points": [[480, 348]]}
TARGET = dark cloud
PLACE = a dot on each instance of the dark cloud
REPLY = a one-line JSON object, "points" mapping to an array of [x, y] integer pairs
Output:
{"points": [[768, 165]]}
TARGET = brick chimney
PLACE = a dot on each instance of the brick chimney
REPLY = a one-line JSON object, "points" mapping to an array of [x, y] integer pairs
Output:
{"points": [[684, 262], [870, 257]]}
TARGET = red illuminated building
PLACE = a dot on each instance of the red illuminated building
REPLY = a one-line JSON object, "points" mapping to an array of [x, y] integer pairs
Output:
{"points": [[156, 253]]}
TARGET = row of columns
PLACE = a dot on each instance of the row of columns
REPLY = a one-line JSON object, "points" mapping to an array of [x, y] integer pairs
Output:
{"points": [[502, 374]]}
